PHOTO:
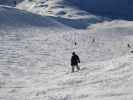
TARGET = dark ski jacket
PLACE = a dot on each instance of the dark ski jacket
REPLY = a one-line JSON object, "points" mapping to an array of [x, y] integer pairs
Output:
{"points": [[75, 60]]}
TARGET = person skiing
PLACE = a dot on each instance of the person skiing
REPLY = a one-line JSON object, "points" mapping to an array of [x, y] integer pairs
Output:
{"points": [[93, 40], [74, 61], [128, 45]]}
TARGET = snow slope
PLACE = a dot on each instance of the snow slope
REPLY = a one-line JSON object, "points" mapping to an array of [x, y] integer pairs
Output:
{"points": [[35, 56], [37, 67], [11, 17], [77, 8], [64, 11], [53, 7], [120, 9]]}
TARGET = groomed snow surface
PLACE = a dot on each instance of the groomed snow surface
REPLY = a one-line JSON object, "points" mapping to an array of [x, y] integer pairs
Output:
{"points": [[35, 59]]}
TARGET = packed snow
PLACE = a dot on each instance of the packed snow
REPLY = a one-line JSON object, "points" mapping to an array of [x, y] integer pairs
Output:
{"points": [[35, 54]]}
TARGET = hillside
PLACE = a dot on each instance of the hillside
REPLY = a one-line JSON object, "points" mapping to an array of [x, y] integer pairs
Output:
{"points": [[11, 17], [37, 66], [58, 8], [62, 11], [35, 54], [120, 9]]}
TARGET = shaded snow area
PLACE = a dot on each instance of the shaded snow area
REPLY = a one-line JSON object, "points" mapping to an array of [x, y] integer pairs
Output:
{"points": [[120, 9], [13, 18], [35, 54], [62, 11], [59, 8]]}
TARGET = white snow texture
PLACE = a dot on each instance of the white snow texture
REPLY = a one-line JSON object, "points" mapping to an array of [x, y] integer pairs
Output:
{"points": [[35, 52]]}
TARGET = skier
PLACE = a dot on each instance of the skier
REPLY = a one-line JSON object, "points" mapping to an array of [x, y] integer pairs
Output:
{"points": [[128, 45], [74, 61], [93, 40], [75, 43]]}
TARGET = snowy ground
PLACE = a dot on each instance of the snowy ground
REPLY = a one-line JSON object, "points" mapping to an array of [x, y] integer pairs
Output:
{"points": [[38, 68], [35, 60]]}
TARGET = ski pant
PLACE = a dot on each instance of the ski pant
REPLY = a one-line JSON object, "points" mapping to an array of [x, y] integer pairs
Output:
{"points": [[73, 67]]}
